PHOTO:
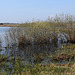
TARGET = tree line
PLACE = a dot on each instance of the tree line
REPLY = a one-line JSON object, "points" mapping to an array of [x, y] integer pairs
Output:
{"points": [[1, 23]]}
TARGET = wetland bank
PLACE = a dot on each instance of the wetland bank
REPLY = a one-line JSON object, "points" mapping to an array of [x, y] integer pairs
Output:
{"points": [[39, 48]]}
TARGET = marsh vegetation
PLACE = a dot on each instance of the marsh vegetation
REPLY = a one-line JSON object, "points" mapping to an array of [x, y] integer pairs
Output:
{"points": [[40, 48]]}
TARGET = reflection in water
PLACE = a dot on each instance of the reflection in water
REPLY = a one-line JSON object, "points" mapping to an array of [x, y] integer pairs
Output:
{"points": [[27, 55], [28, 51]]}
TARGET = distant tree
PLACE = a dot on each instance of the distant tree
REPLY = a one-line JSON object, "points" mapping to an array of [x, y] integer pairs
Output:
{"points": [[1, 23]]}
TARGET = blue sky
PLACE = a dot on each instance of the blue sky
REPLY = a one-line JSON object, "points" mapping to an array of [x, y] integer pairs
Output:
{"points": [[20, 11]]}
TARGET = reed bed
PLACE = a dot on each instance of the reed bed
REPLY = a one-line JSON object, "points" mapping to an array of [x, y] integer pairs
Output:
{"points": [[42, 32]]}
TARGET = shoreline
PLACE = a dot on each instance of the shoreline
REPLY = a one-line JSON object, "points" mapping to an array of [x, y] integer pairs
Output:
{"points": [[10, 25]]}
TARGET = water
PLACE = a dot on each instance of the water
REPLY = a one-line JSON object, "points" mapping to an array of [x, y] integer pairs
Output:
{"points": [[28, 55], [2, 34], [3, 29]]}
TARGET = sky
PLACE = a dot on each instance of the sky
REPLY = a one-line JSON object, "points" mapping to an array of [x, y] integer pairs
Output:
{"points": [[20, 11]]}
